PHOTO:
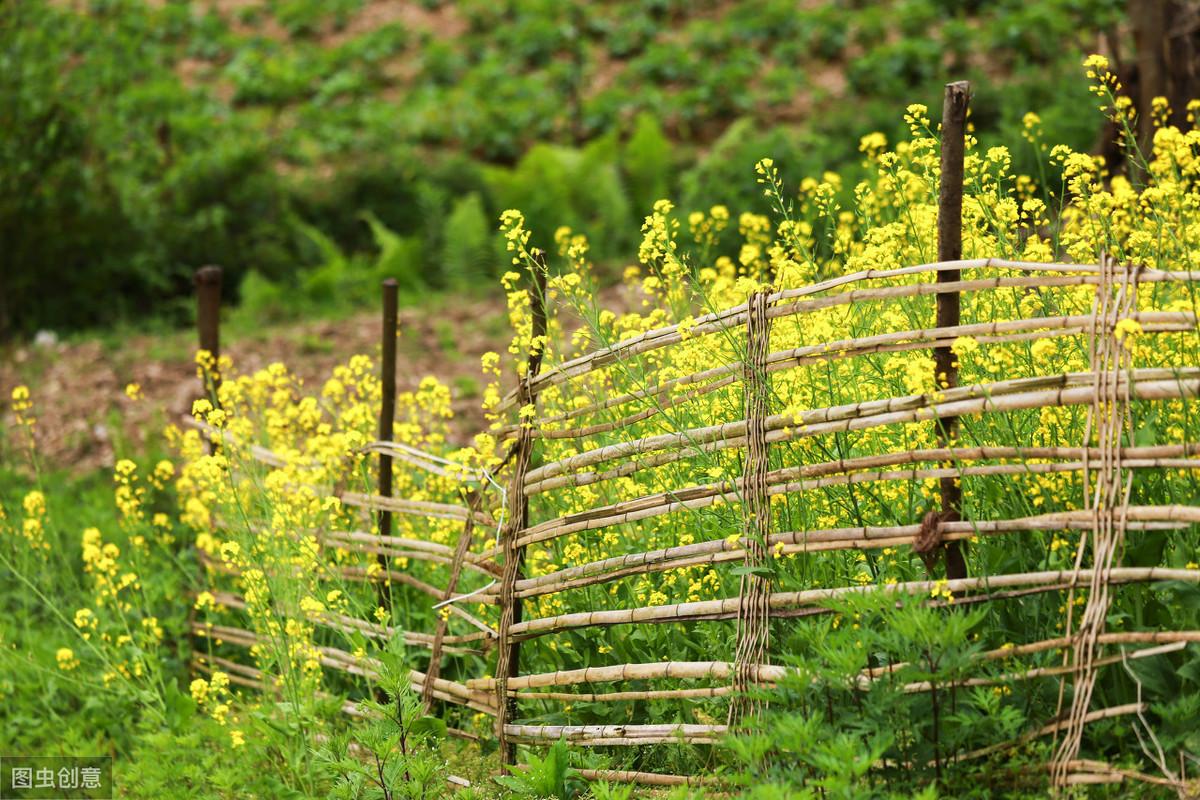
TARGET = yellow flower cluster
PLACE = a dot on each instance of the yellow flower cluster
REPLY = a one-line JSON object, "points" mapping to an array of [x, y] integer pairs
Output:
{"points": [[212, 695], [33, 526]]}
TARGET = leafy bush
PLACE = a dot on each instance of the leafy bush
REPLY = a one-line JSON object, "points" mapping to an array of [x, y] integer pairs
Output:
{"points": [[466, 252], [185, 134]]}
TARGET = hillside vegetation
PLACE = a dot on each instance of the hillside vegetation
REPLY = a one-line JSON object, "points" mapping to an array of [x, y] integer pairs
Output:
{"points": [[310, 147]]}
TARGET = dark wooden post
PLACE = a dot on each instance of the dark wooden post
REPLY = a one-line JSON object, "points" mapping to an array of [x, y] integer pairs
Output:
{"points": [[508, 661], [208, 326], [387, 413], [208, 321], [950, 200]]}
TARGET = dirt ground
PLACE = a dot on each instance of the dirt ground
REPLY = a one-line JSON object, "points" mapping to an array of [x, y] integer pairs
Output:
{"points": [[85, 421]]}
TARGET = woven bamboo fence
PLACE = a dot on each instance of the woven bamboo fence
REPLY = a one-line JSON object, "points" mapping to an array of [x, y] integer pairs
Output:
{"points": [[1106, 392], [737, 532]]}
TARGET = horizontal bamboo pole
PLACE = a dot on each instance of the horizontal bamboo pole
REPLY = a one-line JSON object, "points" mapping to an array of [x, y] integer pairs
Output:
{"points": [[362, 575], [916, 687], [646, 778], [355, 574], [1065, 643], [1116, 774], [718, 551], [898, 341], [480, 566], [416, 508], [366, 667], [257, 452], [620, 734], [418, 458], [773, 674], [401, 542], [228, 665], [735, 316], [692, 670], [1054, 727], [237, 673], [730, 491], [978, 399], [372, 630], [712, 379], [725, 608], [250, 677], [993, 389], [726, 370], [234, 677], [627, 696]]}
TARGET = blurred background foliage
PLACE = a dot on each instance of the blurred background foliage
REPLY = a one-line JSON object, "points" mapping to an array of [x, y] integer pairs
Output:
{"points": [[311, 146]]}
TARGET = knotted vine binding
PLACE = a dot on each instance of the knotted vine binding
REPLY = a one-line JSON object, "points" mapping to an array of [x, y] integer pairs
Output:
{"points": [[753, 620], [1109, 415]]}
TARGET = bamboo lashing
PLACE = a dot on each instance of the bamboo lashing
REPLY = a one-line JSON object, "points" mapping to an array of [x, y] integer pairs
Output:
{"points": [[1110, 415], [753, 637]]}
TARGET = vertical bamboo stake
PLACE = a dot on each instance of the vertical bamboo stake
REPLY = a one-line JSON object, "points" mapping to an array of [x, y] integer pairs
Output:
{"points": [[753, 620], [387, 418], [208, 326], [508, 661], [950, 199], [474, 500]]}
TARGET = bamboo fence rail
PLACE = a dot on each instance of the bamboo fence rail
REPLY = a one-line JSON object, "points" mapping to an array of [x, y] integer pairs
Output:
{"points": [[900, 341], [727, 608], [736, 316]]}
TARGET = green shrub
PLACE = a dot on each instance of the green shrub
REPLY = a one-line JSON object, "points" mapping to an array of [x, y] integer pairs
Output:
{"points": [[647, 162], [466, 251]]}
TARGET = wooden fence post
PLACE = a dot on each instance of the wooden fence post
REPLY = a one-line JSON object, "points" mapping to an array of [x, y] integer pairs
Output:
{"points": [[208, 320], [508, 660], [208, 325], [950, 200], [753, 620], [387, 419]]}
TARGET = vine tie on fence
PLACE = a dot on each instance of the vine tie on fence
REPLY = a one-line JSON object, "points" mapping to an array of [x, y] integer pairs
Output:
{"points": [[1109, 360], [753, 619]]}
